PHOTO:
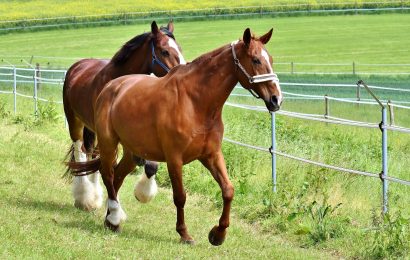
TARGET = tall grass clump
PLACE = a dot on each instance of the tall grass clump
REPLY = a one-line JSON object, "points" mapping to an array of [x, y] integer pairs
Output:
{"points": [[390, 237]]}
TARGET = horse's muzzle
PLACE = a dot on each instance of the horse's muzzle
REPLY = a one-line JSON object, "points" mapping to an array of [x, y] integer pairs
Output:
{"points": [[273, 105]]}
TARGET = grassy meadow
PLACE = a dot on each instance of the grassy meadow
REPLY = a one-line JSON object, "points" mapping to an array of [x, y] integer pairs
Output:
{"points": [[364, 39], [316, 214], [40, 222], [17, 10]]}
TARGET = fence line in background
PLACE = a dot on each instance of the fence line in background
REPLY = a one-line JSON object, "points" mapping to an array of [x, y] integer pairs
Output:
{"points": [[350, 68], [354, 68]]}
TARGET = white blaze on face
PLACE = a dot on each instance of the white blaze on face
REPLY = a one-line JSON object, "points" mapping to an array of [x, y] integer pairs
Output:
{"points": [[266, 56], [174, 45]]}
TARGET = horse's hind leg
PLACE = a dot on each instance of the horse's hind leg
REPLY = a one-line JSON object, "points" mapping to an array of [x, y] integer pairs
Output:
{"points": [[124, 167], [115, 213], [89, 144], [216, 165], [82, 188], [146, 187]]}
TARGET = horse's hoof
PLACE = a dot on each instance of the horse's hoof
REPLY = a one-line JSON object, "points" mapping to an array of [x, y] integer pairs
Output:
{"points": [[113, 228], [216, 237], [187, 241]]}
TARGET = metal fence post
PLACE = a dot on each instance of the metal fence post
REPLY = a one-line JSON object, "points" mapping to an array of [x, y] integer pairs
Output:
{"points": [[292, 67], [358, 92], [391, 112], [15, 89], [383, 125], [354, 68], [273, 149], [384, 159], [38, 75], [35, 92], [327, 113]]}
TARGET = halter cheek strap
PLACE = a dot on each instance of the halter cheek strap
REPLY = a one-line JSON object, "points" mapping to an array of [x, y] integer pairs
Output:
{"points": [[156, 60], [253, 79]]}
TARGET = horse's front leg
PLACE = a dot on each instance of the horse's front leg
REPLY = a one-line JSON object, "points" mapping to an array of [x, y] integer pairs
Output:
{"points": [[215, 163], [175, 174]]}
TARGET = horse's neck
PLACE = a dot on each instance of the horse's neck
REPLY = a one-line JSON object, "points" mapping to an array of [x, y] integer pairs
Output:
{"points": [[137, 63], [217, 79]]}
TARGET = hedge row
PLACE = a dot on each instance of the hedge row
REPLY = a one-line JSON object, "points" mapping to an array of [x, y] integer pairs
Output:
{"points": [[313, 8]]}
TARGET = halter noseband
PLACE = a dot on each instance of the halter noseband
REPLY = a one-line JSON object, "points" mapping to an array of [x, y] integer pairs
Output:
{"points": [[253, 79], [156, 60]]}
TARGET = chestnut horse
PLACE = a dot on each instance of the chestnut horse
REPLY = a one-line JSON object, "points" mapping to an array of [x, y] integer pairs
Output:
{"points": [[177, 119], [153, 52]]}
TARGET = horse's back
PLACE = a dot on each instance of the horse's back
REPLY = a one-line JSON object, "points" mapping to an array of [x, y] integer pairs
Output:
{"points": [[80, 87], [83, 72]]}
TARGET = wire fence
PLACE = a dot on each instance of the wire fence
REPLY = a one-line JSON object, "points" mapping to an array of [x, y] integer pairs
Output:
{"points": [[55, 78], [290, 67], [383, 174], [353, 68]]}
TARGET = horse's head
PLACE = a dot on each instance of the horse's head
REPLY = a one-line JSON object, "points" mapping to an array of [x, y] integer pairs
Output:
{"points": [[165, 51], [255, 71]]}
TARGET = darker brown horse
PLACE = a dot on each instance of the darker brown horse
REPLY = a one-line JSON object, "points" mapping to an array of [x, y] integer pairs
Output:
{"points": [[177, 119], [153, 52]]}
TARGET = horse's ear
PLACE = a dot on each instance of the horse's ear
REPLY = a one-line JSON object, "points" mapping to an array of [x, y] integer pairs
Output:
{"points": [[170, 26], [247, 36], [154, 28], [265, 38]]}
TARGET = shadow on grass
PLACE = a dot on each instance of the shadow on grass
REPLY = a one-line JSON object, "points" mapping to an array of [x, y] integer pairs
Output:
{"points": [[49, 206], [69, 217]]}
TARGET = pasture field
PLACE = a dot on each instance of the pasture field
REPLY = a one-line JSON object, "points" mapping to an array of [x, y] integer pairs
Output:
{"points": [[365, 39], [17, 10], [303, 220]]}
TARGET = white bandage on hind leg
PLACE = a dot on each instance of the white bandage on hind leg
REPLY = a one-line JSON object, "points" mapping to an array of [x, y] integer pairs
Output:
{"points": [[82, 189], [98, 191], [123, 215], [115, 212], [145, 189], [79, 156]]}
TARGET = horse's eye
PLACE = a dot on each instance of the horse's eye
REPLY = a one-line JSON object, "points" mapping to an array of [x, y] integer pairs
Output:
{"points": [[256, 61], [165, 53]]}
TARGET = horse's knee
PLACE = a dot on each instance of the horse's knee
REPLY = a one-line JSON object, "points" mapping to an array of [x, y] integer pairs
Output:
{"points": [[228, 193], [179, 200]]}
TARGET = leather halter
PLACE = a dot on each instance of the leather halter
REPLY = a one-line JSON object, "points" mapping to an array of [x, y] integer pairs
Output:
{"points": [[156, 60], [253, 79]]}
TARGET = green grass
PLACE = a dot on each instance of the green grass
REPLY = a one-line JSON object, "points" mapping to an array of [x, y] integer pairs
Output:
{"points": [[365, 39], [39, 220]]}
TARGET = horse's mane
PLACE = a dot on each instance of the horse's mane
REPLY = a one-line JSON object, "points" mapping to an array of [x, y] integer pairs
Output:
{"points": [[129, 47], [210, 55]]}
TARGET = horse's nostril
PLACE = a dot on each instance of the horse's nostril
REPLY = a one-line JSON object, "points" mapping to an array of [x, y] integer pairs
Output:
{"points": [[274, 100]]}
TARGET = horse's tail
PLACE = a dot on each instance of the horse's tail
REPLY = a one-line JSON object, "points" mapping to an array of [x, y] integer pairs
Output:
{"points": [[69, 157], [83, 168], [79, 168]]}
